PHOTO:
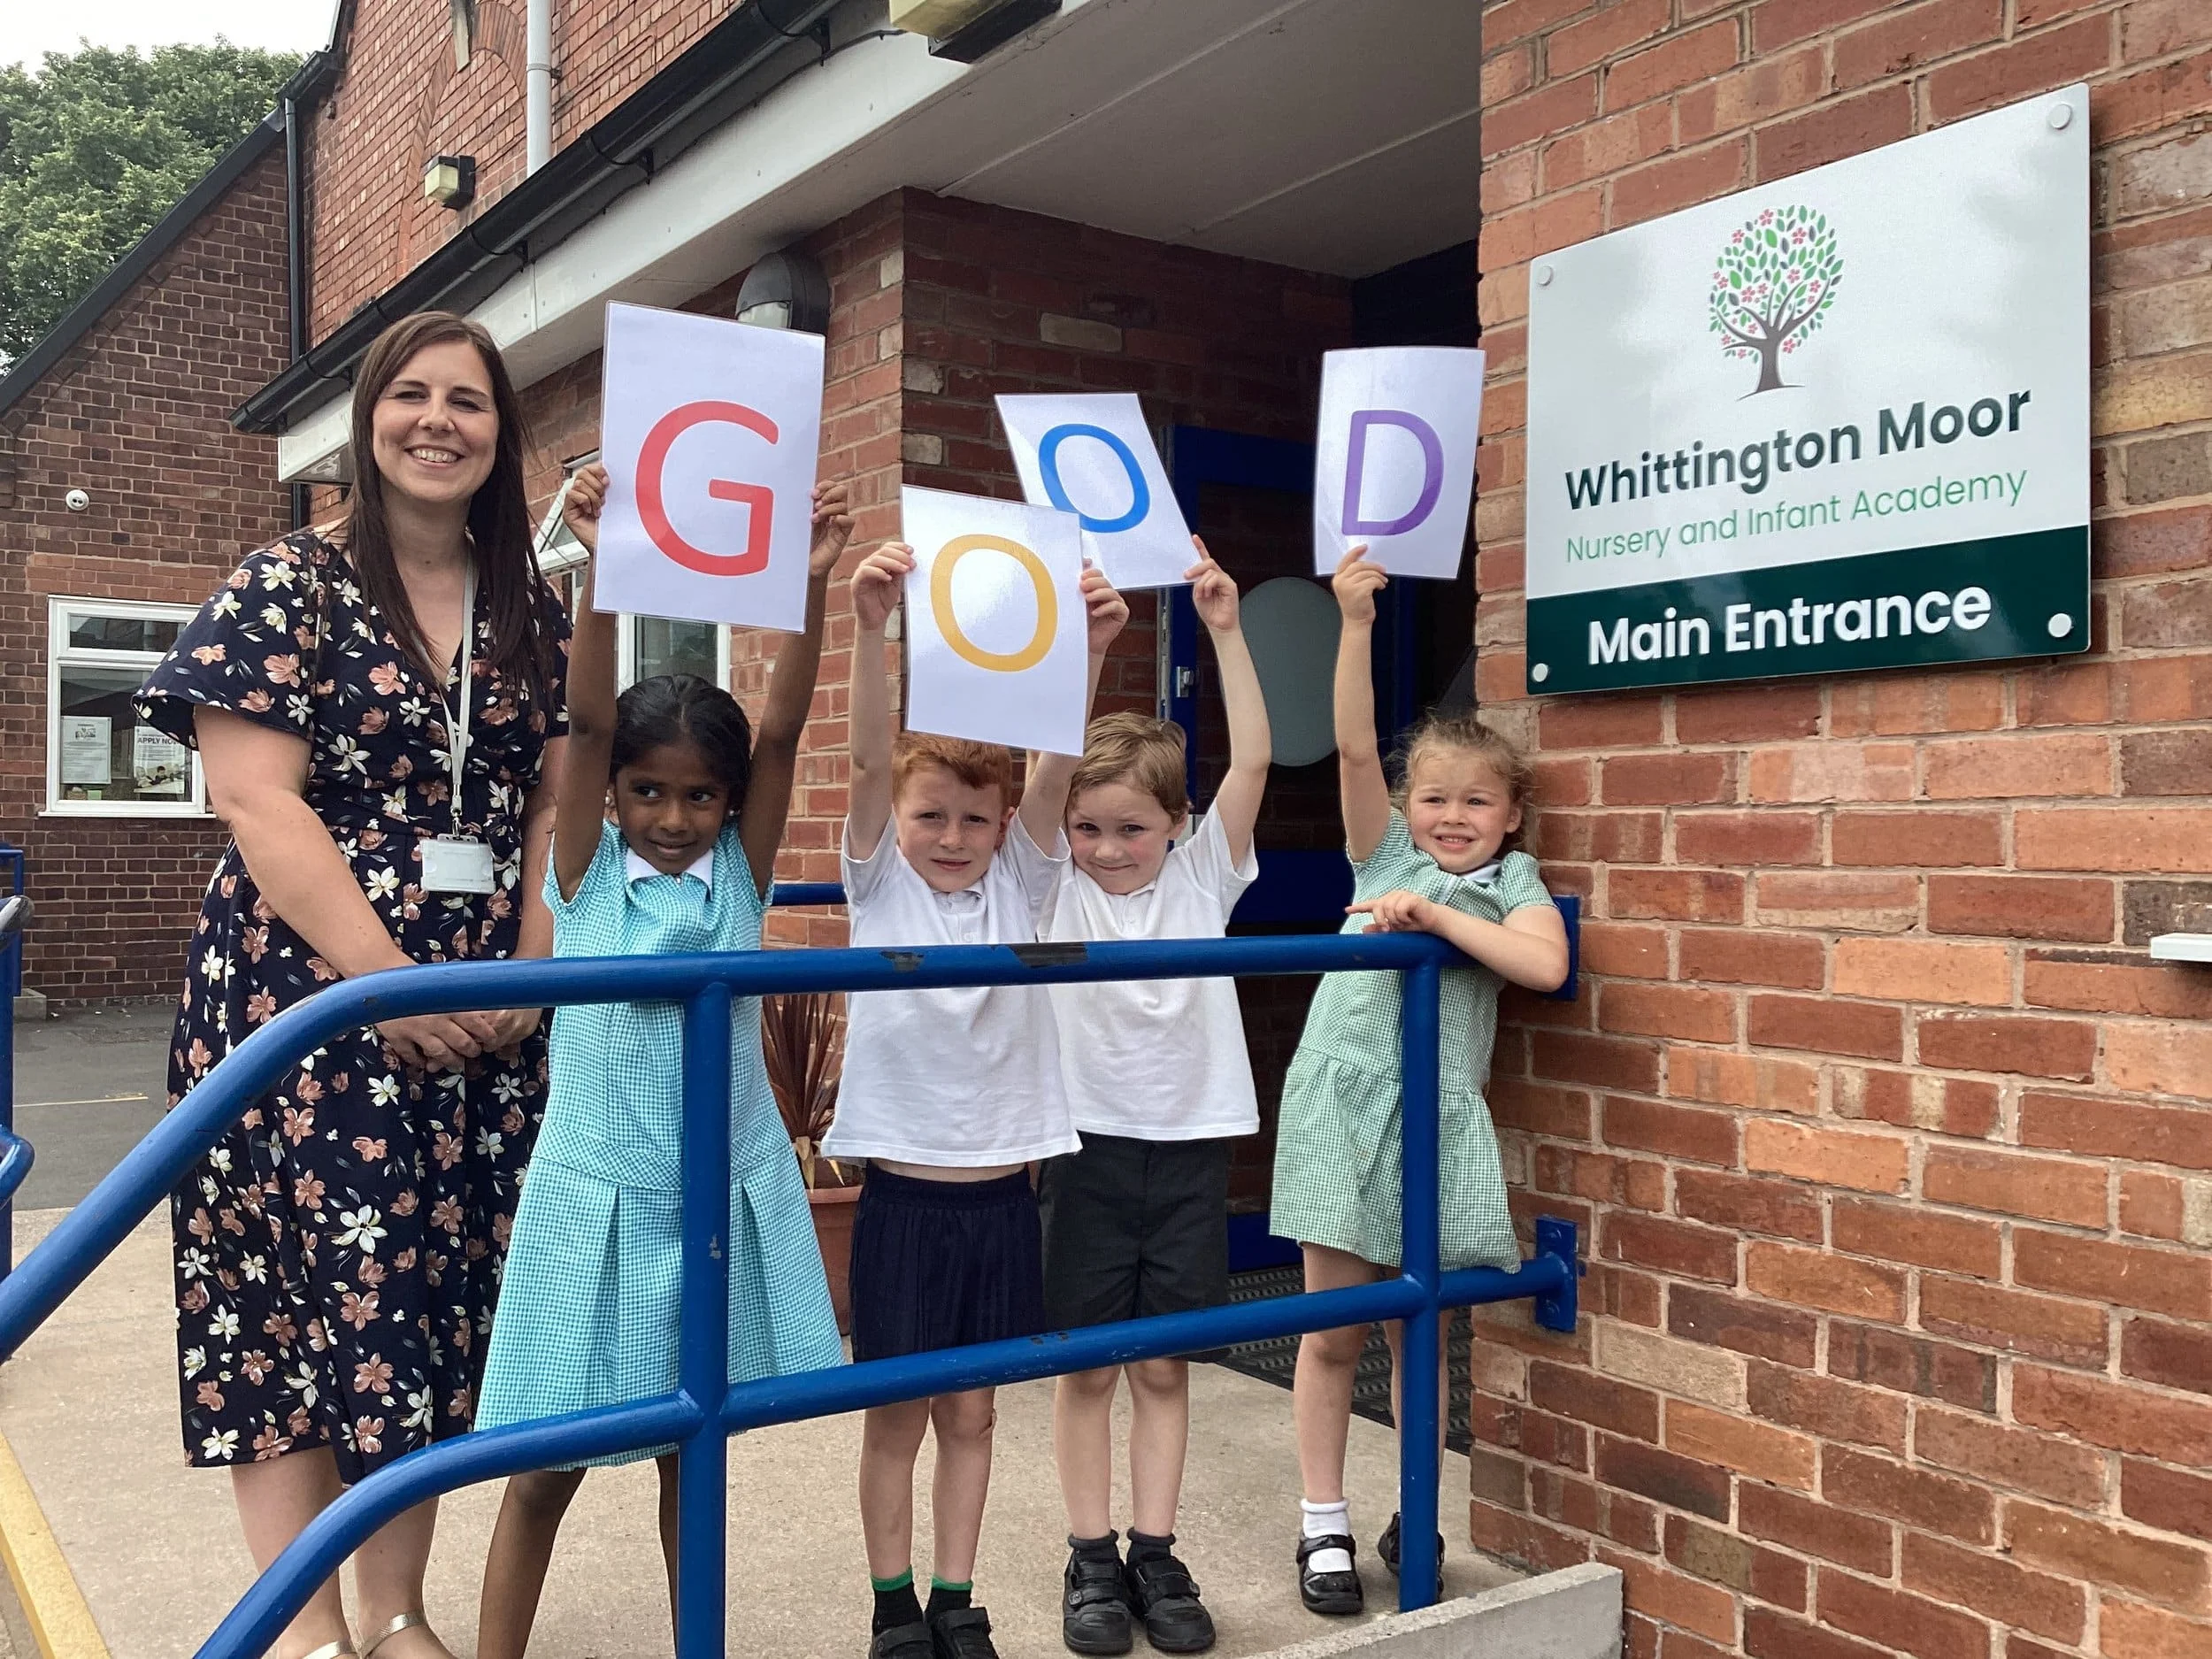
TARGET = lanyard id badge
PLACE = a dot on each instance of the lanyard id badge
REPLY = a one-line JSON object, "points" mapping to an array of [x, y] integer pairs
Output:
{"points": [[456, 864], [459, 862]]}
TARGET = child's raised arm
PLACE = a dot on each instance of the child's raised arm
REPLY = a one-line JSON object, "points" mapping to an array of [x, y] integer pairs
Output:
{"points": [[1359, 772], [1045, 791], [580, 808], [1251, 745], [790, 694], [876, 586]]}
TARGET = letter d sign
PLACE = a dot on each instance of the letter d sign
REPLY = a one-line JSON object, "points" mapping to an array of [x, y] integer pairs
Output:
{"points": [[761, 502], [1395, 457]]}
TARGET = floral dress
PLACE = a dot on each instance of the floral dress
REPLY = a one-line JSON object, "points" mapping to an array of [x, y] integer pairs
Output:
{"points": [[338, 1252]]}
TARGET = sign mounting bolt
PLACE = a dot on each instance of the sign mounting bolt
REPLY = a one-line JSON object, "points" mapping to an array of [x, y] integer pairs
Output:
{"points": [[2060, 117], [1543, 276]]}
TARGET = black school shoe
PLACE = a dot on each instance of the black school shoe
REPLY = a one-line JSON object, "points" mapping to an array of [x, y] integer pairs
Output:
{"points": [[962, 1634], [1331, 1593], [1387, 1548], [1165, 1597], [1094, 1605], [903, 1641]]}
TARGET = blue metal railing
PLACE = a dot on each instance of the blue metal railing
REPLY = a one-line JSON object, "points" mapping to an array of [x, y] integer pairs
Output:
{"points": [[704, 1410], [15, 1151]]}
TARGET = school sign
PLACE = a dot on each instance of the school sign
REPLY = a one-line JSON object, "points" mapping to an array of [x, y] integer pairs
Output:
{"points": [[1838, 422]]}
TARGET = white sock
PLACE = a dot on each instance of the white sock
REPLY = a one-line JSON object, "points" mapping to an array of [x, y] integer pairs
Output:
{"points": [[1326, 1520]]}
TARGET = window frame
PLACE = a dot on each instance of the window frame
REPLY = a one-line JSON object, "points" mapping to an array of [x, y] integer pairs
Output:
{"points": [[559, 553], [60, 654]]}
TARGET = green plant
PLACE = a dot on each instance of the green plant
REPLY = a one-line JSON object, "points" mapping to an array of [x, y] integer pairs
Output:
{"points": [[798, 1032]]}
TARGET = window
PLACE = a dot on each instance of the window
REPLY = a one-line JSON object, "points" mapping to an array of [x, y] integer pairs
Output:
{"points": [[100, 760], [645, 646]]}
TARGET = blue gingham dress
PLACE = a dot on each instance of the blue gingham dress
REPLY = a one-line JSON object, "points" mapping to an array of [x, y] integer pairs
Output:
{"points": [[589, 1307]]}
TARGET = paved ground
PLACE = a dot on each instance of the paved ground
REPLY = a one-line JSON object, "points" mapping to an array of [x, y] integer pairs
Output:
{"points": [[87, 1085], [89, 1408]]}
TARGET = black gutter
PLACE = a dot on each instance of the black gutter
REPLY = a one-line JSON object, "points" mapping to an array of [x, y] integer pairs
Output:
{"points": [[732, 67], [295, 263], [33, 366]]}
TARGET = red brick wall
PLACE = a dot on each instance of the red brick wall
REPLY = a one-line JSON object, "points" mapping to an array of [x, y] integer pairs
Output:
{"points": [[1896, 1149], [138, 416], [400, 101]]}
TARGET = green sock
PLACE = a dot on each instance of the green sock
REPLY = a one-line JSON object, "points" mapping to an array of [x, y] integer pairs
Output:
{"points": [[896, 1603], [946, 1598]]}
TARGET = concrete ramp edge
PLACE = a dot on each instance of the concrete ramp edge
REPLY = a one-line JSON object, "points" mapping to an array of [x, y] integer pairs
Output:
{"points": [[1575, 1614]]}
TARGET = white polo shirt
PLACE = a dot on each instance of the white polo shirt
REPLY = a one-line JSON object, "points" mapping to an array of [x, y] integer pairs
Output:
{"points": [[958, 1078], [1157, 1059]]}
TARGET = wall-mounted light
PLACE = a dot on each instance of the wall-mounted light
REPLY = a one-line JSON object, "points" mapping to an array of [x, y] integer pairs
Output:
{"points": [[449, 180], [786, 290]]}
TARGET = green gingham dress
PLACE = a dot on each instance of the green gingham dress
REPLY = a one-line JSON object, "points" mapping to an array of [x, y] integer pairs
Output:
{"points": [[589, 1309], [1337, 1145]]}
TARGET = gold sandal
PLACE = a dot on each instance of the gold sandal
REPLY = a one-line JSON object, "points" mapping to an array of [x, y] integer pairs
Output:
{"points": [[342, 1649], [399, 1621]]}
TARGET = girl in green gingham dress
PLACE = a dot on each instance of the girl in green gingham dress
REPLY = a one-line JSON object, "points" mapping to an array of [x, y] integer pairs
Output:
{"points": [[1435, 861], [590, 1303]]}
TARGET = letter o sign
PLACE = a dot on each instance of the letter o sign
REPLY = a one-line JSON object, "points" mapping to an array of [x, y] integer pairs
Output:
{"points": [[948, 625], [653, 458]]}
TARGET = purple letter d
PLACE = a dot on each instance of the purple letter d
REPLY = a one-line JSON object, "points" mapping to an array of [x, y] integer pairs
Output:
{"points": [[1355, 466]]}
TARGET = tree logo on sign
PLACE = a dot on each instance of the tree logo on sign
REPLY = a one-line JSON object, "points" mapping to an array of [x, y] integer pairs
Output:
{"points": [[1773, 286]]}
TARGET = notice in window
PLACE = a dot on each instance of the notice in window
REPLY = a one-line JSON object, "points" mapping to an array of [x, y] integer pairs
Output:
{"points": [[87, 750], [161, 767]]}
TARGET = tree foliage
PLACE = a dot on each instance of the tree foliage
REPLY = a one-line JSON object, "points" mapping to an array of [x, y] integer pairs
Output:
{"points": [[1773, 285], [95, 147]]}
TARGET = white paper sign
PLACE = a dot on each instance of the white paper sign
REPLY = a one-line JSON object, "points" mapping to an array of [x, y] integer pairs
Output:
{"points": [[1394, 458], [996, 637], [160, 765], [88, 748], [1092, 455], [709, 431]]}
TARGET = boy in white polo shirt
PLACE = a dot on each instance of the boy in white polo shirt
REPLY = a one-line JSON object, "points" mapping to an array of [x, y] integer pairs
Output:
{"points": [[948, 1093], [1136, 1224]]}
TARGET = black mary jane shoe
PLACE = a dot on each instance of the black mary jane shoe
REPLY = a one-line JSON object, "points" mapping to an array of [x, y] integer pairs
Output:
{"points": [[1165, 1597], [1330, 1593], [902, 1641], [1386, 1551], [1094, 1605], [962, 1634]]}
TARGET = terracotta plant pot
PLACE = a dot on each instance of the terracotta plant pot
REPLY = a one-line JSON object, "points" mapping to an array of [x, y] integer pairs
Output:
{"points": [[833, 1207]]}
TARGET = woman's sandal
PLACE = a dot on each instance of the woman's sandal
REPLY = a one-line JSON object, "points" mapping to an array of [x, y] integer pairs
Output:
{"points": [[399, 1621], [342, 1649], [1333, 1593]]}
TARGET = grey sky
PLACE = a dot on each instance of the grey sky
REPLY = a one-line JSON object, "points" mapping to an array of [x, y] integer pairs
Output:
{"points": [[34, 27]]}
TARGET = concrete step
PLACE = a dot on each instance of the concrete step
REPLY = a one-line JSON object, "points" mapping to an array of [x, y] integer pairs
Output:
{"points": [[89, 1408]]}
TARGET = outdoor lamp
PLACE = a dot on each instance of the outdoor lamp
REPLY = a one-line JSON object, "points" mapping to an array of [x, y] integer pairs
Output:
{"points": [[786, 290], [449, 180]]}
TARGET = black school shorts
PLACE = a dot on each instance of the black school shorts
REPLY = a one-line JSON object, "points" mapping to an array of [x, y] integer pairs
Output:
{"points": [[944, 1263], [1134, 1228]]}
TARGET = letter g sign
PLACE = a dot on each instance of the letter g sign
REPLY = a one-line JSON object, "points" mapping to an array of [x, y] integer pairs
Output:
{"points": [[760, 501]]}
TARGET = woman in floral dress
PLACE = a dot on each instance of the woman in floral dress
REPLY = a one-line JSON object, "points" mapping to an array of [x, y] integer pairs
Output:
{"points": [[338, 1252]]}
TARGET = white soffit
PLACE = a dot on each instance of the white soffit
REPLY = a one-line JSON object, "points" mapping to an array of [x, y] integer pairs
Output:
{"points": [[1331, 136]]}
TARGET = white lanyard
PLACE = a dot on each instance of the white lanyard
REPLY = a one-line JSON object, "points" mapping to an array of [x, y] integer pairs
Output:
{"points": [[459, 862], [458, 728]]}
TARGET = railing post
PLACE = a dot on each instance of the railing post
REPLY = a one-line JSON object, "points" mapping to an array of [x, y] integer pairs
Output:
{"points": [[1420, 1410], [16, 1153], [704, 1357]]}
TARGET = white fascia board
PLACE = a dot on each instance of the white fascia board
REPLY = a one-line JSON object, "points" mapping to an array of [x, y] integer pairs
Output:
{"points": [[760, 183], [303, 445]]}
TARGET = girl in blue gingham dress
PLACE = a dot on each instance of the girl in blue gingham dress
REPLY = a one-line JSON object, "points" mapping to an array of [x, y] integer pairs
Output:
{"points": [[590, 1306]]}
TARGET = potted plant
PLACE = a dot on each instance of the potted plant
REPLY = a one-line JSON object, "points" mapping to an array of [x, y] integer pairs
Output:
{"points": [[799, 1044]]}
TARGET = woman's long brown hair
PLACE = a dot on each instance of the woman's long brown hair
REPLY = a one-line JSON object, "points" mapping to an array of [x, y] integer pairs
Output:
{"points": [[499, 512]]}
